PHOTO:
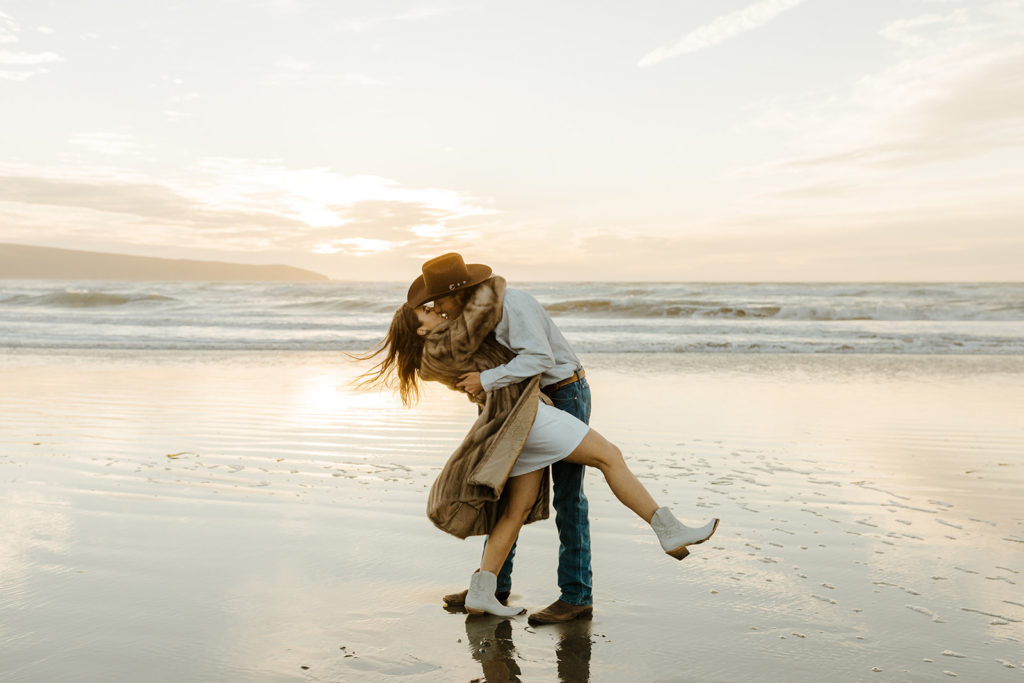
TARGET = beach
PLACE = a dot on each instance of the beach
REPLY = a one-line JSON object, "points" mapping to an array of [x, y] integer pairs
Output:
{"points": [[235, 515], [782, 239]]}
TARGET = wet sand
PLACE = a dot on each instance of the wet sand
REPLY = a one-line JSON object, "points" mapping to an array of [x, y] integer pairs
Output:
{"points": [[219, 516]]}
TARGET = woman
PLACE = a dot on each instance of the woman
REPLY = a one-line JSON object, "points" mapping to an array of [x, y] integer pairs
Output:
{"points": [[496, 480]]}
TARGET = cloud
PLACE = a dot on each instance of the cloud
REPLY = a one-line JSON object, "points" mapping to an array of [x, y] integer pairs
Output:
{"points": [[322, 198], [721, 29], [102, 142], [391, 214], [935, 136], [825, 190], [357, 246], [151, 202], [903, 31], [233, 202], [880, 246], [9, 34], [360, 79], [16, 75], [285, 6], [289, 70], [427, 230], [950, 95], [9, 29], [952, 107], [28, 58], [367, 23]]}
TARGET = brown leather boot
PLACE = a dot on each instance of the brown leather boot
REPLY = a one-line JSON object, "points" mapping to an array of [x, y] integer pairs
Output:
{"points": [[560, 612], [457, 600]]}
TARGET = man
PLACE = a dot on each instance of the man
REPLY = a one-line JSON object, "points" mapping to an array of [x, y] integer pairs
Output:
{"points": [[527, 330]]}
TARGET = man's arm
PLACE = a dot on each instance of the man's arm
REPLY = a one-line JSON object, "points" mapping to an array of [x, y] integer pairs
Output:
{"points": [[528, 338]]}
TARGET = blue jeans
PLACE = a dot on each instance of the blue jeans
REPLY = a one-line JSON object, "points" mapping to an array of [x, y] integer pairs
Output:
{"points": [[575, 578]]}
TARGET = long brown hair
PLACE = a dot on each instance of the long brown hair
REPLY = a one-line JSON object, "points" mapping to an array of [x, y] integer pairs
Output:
{"points": [[403, 349]]}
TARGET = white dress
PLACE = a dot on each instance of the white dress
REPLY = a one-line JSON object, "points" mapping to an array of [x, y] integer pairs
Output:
{"points": [[554, 435]]}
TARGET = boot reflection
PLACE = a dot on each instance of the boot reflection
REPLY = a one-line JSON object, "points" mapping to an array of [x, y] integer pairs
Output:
{"points": [[490, 640], [573, 651]]}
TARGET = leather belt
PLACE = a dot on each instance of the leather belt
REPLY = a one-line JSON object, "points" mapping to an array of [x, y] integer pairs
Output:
{"points": [[574, 377]]}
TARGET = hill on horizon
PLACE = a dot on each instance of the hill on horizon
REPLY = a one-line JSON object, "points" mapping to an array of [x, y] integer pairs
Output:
{"points": [[22, 261]]}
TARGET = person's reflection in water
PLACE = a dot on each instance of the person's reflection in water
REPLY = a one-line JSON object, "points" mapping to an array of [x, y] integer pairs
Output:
{"points": [[573, 651], [490, 641]]}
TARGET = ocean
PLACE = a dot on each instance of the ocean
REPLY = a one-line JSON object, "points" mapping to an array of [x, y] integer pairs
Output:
{"points": [[952, 318]]}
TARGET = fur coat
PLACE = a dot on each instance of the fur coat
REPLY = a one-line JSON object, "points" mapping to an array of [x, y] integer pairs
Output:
{"points": [[465, 498]]}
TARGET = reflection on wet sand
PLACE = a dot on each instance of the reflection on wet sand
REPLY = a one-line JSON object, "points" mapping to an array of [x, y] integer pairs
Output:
{"points": [[490, 643], [278, 531], [573, 651]]}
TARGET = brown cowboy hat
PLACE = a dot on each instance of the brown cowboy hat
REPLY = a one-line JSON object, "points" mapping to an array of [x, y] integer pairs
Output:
{"points": [[445, 275]]}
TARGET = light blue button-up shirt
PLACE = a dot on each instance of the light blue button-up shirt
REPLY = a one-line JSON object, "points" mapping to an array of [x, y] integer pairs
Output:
{"points": [[527, 329]]}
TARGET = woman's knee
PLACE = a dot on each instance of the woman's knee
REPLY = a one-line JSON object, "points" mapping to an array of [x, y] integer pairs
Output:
{"points": [[613, 456], [604, 455]]}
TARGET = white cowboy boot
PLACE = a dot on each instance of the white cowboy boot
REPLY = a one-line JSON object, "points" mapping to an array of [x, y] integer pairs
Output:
{"points": [[480, 597], [675, 536]]}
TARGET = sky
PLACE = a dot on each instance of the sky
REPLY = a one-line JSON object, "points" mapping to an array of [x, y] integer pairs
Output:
{"points": [[736, 140]]}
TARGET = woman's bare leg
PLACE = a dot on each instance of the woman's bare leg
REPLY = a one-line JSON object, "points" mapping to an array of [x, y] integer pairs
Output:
{"points": [[597, 451], [520, 495]]}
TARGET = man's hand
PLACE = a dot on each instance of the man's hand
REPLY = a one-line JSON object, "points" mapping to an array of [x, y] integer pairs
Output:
{"points": [[470, 383]]}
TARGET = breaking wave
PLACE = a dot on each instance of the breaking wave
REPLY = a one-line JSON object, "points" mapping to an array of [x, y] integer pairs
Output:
{"points": [[76, 298], [826, 312], [596, 317]]}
